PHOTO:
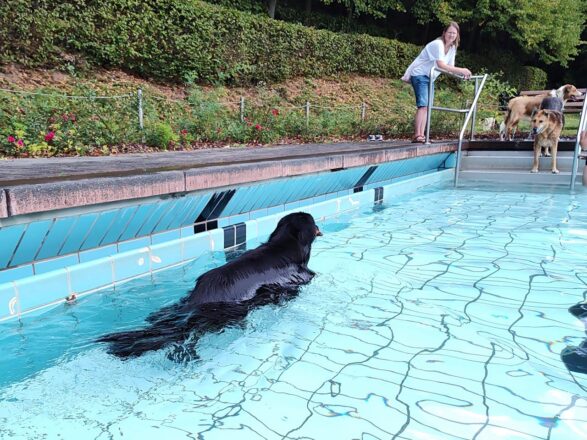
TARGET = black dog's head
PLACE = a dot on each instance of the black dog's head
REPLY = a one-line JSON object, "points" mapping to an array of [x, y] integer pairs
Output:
{"points": [[299, 226], [579, 311]]}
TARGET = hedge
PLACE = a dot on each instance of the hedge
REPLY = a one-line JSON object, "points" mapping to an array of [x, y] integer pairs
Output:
{"points": [[175, 40]]}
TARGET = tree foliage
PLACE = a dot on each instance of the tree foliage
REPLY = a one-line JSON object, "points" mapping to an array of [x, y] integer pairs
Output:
{"points": [[542, 30], [375, 8], [549, 29]]}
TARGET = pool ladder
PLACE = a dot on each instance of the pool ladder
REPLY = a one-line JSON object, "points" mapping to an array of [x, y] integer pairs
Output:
{"points": [[470, 112], [577, 152]]}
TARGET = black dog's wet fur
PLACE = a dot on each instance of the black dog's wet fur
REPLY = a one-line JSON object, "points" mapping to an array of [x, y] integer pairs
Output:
{"points": [[223, 296]]}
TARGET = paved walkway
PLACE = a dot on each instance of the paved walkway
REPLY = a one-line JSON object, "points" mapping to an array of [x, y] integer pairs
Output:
{"points": [[28, 171], [30, 186]]}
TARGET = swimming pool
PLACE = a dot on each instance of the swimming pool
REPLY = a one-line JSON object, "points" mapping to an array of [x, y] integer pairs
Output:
{"points": [[440, 315]]}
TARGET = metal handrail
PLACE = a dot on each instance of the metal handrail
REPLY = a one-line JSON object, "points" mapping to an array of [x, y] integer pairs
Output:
{"points": [[582, 126], [431, 98], [471, 111]]}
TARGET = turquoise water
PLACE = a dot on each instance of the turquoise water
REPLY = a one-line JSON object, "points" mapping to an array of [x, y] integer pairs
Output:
{"points": [[441, 315]]}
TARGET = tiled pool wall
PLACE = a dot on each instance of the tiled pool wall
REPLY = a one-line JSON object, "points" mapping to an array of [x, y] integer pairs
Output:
{"points": [[47, 257]]}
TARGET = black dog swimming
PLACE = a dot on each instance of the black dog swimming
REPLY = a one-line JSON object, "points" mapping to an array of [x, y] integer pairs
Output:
{"points": [[575, 358], [222, 296]]}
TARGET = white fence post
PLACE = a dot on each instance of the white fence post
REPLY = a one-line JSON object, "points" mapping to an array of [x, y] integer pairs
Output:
{"points": [[307, 114], [242, 108], [140, 104], [363, 111]]}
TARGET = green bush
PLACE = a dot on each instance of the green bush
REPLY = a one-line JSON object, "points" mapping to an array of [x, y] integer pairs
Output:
{"points": [[172, 40], [160, 135], [27, 121]]}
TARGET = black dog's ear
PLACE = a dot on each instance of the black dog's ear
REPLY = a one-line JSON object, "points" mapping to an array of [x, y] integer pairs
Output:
{"points": [[306, 235]]}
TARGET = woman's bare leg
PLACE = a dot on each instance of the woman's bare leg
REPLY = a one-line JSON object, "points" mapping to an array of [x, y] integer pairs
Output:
{"points": [[420, 123]]}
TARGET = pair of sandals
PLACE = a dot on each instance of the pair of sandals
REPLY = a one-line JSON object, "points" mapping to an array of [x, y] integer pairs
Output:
{"points": [[419, 140]]}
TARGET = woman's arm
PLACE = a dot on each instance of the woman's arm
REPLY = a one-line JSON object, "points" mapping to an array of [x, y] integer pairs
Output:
{"points": [[452, 69], [583, 141]]}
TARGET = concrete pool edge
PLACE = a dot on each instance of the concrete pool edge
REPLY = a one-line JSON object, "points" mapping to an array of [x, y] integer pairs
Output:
{"points": [[36, 293]]}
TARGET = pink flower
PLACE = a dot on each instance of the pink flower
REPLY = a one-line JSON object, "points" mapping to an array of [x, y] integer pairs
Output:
{"points": [[20, 143], [49, 136], [10, 139], [258, 127], [184, 132], [275, 112]]}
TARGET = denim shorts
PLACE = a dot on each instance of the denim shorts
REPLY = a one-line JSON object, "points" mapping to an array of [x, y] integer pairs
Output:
{"points": [[420, 84]]}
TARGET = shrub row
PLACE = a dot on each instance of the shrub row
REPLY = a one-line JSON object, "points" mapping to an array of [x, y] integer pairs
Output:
{"points": [[174, 40]]}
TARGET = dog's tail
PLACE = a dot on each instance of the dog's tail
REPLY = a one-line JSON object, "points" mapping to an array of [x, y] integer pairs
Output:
{"points": [[137, 342]]}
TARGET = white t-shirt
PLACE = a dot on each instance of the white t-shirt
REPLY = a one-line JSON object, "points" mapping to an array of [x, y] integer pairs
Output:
{"points": [[433, 52]]}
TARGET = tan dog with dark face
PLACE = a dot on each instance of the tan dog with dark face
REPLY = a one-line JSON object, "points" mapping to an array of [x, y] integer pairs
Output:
{"points": [[524, 106], [546, 127]]}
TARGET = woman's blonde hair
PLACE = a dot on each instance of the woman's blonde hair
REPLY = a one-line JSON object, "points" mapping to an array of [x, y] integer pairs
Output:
{"points": [[455, 25]]}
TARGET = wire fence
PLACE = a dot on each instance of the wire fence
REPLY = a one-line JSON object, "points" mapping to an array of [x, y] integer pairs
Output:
{"points": [[242, 103]]}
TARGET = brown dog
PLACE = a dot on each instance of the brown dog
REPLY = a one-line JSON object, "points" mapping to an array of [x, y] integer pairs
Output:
{"points": [[546, 126], [525, 106]]}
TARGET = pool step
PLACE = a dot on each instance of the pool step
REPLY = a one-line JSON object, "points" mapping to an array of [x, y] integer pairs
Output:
{"points": [[513, 160], [514, 166]]}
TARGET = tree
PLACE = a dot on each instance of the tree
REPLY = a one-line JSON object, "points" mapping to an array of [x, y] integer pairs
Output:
{"points": [[375, 8], [548, 29]]}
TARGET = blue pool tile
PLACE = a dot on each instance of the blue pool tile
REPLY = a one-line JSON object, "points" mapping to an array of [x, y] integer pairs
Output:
{"points": [[131, 264], [305, 202], [43, 289], [79, 233], [347, 202], [241, 218], [9, 237], [275, 209], [365, 197], [130, 245], [55, 263], [91, 275], [99, 230], [252, 229], [141, 215], [451, 161], [16, 273], [56, 237], [100, 252], [30, 242], [266, 225], [222, 222], [165, 254], [186, 207], [151, 223], [323, 209], [216, 238], [163, 237], [173, 211], [186, 231], [122, 220], [195, 246], [195, 210], [258, 213], [291, 206], [8, 301], [236, 203]]}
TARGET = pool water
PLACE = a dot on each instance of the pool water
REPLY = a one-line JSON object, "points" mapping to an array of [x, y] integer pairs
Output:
{"points": [[441, 315]]}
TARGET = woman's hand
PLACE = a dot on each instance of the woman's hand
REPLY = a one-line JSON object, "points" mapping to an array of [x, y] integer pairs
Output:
{"points": [[465, 72]]}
